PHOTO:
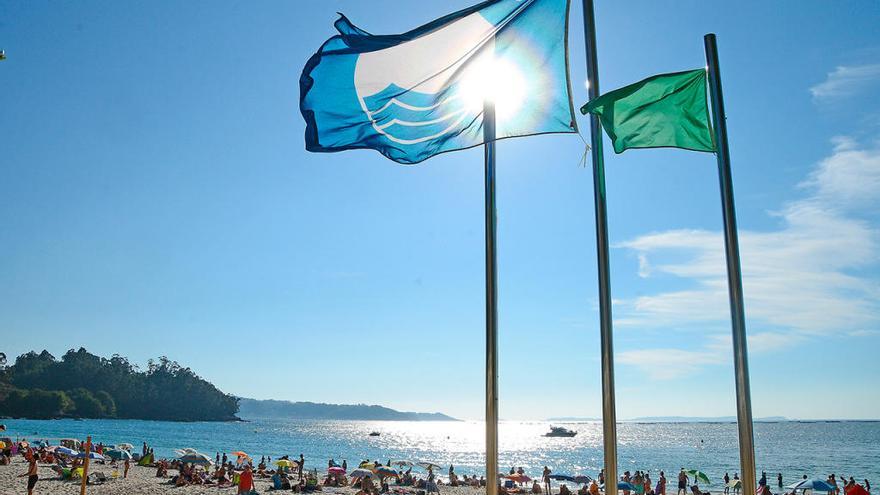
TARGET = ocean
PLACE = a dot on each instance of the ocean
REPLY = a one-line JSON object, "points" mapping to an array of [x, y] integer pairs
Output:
{"points": [[850, 448]]}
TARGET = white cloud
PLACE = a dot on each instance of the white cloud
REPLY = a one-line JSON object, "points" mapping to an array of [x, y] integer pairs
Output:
{"points": [[801, 281], [846, 81], [667, 364]]}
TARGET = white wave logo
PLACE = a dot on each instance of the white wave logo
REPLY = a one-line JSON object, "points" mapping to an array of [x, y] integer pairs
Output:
{"points": [[411, 92]]}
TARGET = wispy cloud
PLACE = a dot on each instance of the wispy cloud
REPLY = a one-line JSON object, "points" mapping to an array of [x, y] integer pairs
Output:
{"points": [[846, 80], [801, 281]]}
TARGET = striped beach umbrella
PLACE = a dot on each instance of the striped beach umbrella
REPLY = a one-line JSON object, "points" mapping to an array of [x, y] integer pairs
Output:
{"points": [[385, 471]]}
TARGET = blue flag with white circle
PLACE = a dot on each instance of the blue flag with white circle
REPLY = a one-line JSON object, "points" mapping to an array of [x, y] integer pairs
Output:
{"points": [[414, 95]]}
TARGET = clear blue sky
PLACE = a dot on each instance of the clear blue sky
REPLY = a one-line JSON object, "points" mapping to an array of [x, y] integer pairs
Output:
{"points": [[156, 199]]}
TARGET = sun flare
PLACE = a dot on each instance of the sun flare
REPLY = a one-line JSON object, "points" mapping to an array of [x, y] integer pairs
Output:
{"points": [[497, 80]]}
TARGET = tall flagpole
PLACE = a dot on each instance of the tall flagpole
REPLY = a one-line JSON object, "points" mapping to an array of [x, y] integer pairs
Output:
{"points": [[491, 305], [734, 275], [609, 412]]}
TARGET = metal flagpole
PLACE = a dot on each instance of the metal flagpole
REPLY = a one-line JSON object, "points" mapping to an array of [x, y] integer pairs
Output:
{"points": [[734, 274], [609, 412], [491, 307]]}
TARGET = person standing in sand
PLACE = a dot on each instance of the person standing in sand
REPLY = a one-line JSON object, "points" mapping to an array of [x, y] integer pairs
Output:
{"points": [[31, 475], [545, 477], [661, 484], [726, 483], [126, 466]]}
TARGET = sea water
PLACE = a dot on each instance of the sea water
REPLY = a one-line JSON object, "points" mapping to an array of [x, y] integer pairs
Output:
{"points": [[815, 449]]}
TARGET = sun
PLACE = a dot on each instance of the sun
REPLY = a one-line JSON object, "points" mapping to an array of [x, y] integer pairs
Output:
{"points": [[497, 80]]}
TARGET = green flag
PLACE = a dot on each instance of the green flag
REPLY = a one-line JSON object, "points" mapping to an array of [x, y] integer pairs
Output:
{"points": [[663, 111]]}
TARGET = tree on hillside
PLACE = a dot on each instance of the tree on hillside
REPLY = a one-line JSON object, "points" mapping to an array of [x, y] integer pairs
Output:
{"points": [[100, 387]]}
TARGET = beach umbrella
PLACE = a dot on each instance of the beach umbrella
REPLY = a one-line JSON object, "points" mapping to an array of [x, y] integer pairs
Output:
{"points": [[735, 484], [92, 455], [562, 477], [239, 453], [2, 445], [125, 446], [286, 463], [361, 473], [66, 451], [385, 471], [518, 478], [622, 485], [402, 463], [815, 485], [367, 465], [857, 490], [200, 459], [118, 455], [699, 476], [336, 470], [429, 465], [581, 479]]}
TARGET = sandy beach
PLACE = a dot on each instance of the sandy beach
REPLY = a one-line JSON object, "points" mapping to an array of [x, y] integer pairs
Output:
{"points": [[143, 481]]}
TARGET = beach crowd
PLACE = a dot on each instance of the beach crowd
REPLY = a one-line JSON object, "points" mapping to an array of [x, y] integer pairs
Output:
{"points": [[68, 459]]}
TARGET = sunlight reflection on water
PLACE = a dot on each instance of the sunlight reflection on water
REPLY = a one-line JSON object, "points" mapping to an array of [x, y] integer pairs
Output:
{"points": [[792, 448]]}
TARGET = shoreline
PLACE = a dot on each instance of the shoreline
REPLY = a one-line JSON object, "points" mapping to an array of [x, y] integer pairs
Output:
{"points": [[143, 481]]}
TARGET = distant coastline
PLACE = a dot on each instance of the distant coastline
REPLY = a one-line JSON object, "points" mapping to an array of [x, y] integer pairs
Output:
{"points": [[279, 409]]}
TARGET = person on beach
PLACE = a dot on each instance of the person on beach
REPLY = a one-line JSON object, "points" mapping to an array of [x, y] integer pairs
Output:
{"points": [[726, 483], [867, 486], [31, 475], [683, 480], [736, 486], [779, 480], [302, 465], [433, 484], [345, 465], [661, 484], [125, 468], [246, 480], [545, 477], [763, 481]]}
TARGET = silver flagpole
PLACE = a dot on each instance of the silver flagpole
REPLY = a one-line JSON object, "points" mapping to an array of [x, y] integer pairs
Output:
{"points": [[734, 275], [609, 411], [491, 305]]}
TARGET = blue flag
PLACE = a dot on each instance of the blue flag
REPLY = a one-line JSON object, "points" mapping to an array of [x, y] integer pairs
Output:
{"points": [[411, 96]]}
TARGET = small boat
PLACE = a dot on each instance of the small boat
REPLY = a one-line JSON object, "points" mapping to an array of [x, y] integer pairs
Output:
{"points": [[374, 433], [558, 431]]}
